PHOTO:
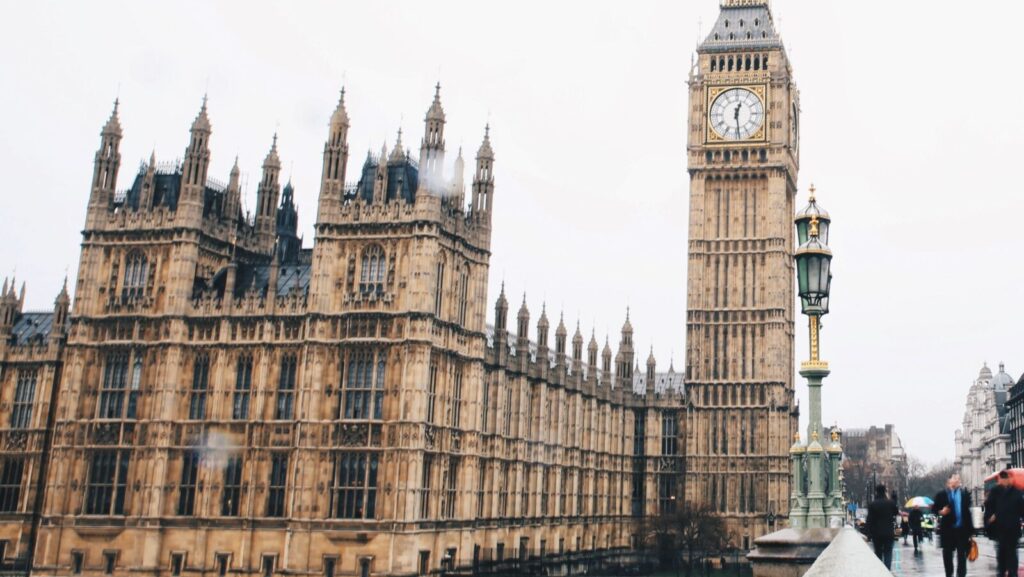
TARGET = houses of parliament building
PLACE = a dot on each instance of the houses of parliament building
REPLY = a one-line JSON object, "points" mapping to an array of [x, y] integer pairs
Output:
{"points": [[220, 400]]}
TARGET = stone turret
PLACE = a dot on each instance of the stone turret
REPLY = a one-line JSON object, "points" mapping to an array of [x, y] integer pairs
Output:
{"points": [[105, 167], [432, 146], [267, 197], [194, 169], [332, 179]]}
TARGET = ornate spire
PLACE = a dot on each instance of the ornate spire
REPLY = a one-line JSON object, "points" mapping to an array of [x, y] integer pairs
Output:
{"points": [[398, 153], [202, 121], [113, 125], [560, 331], [272, 159], [436, 112], [485, 150], [340, 116]]}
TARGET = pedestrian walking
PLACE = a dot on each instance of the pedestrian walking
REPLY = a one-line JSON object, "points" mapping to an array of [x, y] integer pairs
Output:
{"points": [[881, 525], [914, 520], [953, 506], [1004, 509], [904, 527]]}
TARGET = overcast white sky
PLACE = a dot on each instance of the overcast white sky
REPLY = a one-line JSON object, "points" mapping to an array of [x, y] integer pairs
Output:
{"points": [[911, 131]]}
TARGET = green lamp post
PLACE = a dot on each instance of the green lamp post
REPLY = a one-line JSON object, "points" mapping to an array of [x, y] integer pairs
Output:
{"points": [[818, 490]]}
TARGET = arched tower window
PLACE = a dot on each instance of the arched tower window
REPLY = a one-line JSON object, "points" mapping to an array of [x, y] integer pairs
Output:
{"points": [[371, 275], [463, 294], [439, 289], [135, 275]]}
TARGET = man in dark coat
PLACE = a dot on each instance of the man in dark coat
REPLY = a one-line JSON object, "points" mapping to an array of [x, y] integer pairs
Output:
{"points": [[881, 525], [915, 518], [953, 506], [1003, 511]]}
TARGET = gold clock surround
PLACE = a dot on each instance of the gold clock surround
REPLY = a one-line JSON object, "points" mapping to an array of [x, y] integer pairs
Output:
{"points": [[711, 137]]}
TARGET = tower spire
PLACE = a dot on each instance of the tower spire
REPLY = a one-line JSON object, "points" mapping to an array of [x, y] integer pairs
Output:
{"points": [[483, 180], [266, 198], [432, 145], [332, 180], [105, 166]]}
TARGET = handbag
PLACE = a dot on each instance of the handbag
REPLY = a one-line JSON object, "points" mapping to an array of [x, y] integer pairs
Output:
{"points": [[972, 550]]}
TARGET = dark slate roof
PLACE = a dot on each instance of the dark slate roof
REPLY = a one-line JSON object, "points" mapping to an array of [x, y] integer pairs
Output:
{"points": [[167, 189], [743, 28], [32, 328], [290, 277], [403, 179]]}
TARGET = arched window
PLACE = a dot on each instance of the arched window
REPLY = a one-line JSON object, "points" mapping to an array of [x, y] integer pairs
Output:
{"points": [[371, 276], [135, 276]]}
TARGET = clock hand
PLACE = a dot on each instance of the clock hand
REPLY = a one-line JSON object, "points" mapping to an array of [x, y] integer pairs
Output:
{"points": [[736, 116]]}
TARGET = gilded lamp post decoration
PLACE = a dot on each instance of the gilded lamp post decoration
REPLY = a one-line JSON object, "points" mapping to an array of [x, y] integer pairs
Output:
{"points": [[817, 495]]}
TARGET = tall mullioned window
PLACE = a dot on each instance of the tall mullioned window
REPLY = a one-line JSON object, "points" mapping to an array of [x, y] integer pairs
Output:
{"points": [[354, 489], [189, 483], [231, 494], [135, 275], [24, 397], [432, 391], [285, 409], [374, 267], [243, 388], [114, 388], [363, 395], [670, 434], [463, 294], [449, 486], [278, 480], [107, 483], [200, 386], [425, 486], [457, 398], [10, 484], [438, 295]]}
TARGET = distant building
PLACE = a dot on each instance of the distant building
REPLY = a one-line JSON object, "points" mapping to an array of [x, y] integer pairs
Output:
{"points": [[1015, 423], [872, 456], [982, 442]]}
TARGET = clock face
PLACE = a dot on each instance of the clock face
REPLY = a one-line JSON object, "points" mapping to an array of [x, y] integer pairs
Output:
{"points": [[737, 114]]}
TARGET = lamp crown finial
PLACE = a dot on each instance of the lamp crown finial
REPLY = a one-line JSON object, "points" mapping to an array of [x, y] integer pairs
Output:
{"points": [[812, 190]]}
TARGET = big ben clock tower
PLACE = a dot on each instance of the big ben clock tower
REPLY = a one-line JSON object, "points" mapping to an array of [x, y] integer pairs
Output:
{"points": [[743, 158]]}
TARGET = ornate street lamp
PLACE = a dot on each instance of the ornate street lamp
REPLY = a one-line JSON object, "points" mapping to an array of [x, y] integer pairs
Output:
{"points": [[815, 467]]}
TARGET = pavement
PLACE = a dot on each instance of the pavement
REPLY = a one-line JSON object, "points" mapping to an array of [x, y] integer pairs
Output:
{"points": [[929, 562]]}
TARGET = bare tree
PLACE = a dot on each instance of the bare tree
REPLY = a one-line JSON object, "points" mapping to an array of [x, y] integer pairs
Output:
{"points": [[698, 529], [927, 482]]}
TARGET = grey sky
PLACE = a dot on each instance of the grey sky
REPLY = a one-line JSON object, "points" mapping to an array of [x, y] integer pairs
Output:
{"points": [[911, 130]]}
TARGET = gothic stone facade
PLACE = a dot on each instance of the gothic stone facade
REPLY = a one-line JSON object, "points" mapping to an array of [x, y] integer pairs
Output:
{"points": [[31, 352], [743, 158], [229, 402]]}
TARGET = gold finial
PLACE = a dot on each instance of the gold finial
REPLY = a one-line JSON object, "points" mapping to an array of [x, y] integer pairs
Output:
{"points": [[835, 436], [812, 190], [814, 226], [796, 437], [814, 436]]}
